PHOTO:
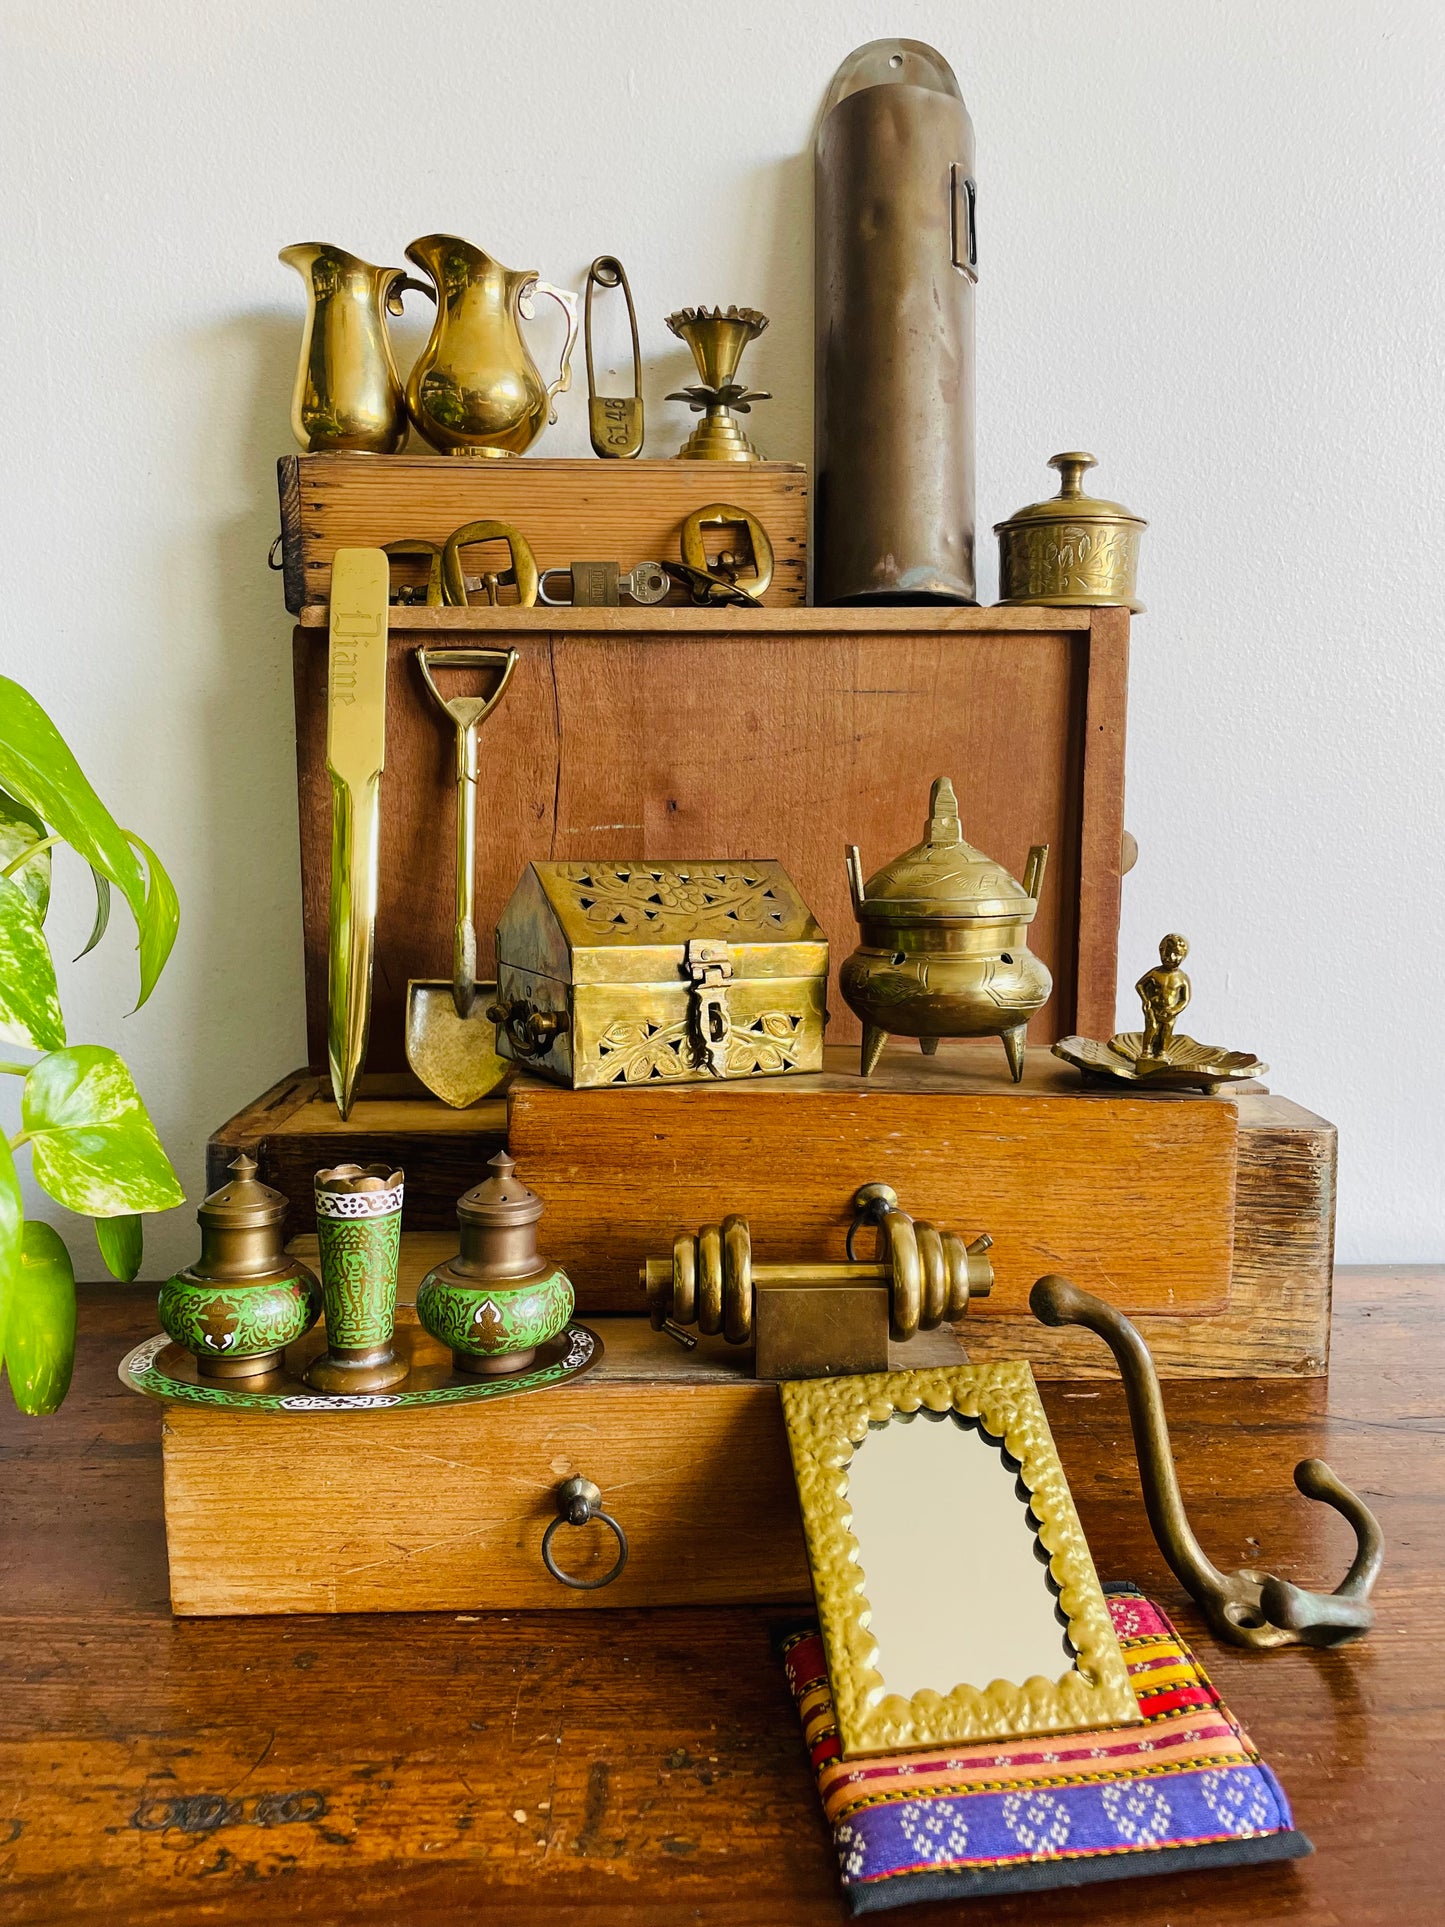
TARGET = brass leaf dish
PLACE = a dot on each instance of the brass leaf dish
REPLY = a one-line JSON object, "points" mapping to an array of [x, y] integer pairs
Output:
{"points": [[1154, 1058]]}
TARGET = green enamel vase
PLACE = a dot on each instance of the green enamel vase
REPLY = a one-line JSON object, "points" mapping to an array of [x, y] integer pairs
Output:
{"points": [[358, 1230], [243, 1301], [497, 1300]]}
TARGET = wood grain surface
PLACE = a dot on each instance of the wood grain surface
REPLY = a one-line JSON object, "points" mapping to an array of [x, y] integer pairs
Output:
{"points": [[1129, 1197], [788, 733], [265, 1513], [645, 1768], [569, 510]]}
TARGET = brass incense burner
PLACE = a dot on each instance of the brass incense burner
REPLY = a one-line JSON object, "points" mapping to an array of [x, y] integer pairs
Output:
{"points": [[717, 341], [944, 951], [1157, 1057]]}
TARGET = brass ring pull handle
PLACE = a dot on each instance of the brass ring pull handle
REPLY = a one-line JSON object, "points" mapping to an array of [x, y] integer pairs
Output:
{"points": [[533, 1032], [1245, 1608], [614, 422], [523, 570], [579, 1502], [930, 1275]]}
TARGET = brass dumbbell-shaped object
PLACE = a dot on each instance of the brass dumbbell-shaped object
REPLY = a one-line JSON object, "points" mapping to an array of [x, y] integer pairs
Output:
{"points": [[821, 1316]]}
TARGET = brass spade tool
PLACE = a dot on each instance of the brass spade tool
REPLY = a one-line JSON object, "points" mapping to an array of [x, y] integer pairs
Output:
{"points": [[355, 754], [451, 1043]]}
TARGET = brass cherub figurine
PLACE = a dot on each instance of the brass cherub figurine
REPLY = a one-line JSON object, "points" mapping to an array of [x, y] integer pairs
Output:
{"points": [[1164, 993], [1155, 1057]]}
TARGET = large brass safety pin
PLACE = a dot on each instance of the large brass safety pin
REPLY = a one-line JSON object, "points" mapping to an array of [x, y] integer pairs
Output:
{"points": [[1246, 1608], [614, 422]]}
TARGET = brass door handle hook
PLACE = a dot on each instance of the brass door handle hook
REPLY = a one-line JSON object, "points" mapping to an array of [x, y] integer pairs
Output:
{"points": [[1245, 1608]]}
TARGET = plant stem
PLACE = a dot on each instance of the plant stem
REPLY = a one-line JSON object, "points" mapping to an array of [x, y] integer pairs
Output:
{"points": [[15, 1070], [33, 849], [20, 1137]]}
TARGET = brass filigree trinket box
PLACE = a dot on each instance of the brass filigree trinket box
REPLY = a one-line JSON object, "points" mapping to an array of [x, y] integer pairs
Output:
{"points": [[635, 972]]}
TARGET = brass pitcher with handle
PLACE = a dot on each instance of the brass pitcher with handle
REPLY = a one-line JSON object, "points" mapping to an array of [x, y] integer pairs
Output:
{"points": [[475, 390], [348, 393]]}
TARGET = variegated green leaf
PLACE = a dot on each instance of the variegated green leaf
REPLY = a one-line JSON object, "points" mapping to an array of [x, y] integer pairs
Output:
{"points": [[12, 1224], [92, 1141], [40, 1323], [121, 1244], [37, 767], [21, 829], [29, 1001], [163, 912], [102, 914]]}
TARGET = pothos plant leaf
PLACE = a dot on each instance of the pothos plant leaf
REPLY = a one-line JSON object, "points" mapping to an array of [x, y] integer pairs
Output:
{"points": [[20, 830], [40, 1323], [12, 1223], [30, 1012], [102, 914], [121, 1244], [37, 767], [92, 1141], [163, 912]]}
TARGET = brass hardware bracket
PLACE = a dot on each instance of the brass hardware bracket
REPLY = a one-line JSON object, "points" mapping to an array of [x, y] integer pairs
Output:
{"points": [[1245, 1608], [812, 1319]]}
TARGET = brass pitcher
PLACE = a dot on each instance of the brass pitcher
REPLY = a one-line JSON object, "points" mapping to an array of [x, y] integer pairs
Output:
{"points": [[475, 390], [348, 393]]}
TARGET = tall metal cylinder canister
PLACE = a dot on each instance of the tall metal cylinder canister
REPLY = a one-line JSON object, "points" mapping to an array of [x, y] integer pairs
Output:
{"points": [[896, 261]]}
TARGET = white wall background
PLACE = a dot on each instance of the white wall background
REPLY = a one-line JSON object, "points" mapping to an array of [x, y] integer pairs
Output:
{"points": [[1212, 236]]}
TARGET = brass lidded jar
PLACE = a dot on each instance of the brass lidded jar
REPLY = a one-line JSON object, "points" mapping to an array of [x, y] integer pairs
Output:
{"points": [[944, 950], [1074, 551], [243, 1301], [497, 1300]]}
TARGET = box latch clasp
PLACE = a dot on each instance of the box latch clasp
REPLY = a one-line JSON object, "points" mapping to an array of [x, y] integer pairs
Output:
{"points": [[708, 967]]}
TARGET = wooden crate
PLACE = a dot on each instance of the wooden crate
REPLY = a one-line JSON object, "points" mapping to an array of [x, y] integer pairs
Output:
{"points": [[782, 733], [1274, 1317], [569, 511], [443, 1508]]}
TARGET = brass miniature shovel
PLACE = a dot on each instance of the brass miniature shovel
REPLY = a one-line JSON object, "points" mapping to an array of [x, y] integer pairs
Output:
{"points": [[451, 1043]]}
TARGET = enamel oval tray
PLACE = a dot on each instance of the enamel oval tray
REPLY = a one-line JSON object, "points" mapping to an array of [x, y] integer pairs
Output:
{"points": [[167, 1371]]}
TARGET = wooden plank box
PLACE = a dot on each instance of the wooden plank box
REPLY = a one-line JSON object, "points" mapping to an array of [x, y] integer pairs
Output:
{"points": [[1210, 1219], [569, 511], [787, 733]]}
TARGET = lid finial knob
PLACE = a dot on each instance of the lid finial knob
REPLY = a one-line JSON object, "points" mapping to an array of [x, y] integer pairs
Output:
{"points": [[943, 824], [1071, 466]]}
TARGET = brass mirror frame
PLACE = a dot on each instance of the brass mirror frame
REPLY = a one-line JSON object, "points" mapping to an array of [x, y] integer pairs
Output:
{"points": [[827, 1419]]}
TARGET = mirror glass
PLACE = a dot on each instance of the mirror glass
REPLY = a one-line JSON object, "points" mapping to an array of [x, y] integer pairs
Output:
{"points": [[952, 1567]]}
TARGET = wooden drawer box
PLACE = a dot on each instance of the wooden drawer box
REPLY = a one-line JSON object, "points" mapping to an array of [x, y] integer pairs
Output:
{"points": [[569, 510], [788, 733], [444, 1508]]}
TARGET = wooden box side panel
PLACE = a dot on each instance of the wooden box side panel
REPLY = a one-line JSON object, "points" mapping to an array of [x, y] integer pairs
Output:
{"points": [[444, 1509], [1132, 1199], [569, 510], [785, 744], [1278, 1319]]}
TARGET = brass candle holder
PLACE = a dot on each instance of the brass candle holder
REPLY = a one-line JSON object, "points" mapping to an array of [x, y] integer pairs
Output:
{"points": [[717, 341]]}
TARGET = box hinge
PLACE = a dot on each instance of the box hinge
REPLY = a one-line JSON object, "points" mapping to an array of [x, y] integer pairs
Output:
{"points": [[707, 965]]}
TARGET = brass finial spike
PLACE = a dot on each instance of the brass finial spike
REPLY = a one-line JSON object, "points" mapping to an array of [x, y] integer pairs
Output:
{"points": [[243, 1166], [943, 825]]}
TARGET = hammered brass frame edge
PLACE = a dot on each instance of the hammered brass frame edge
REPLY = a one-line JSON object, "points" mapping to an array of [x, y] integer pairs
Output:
{"points": [[826, 1420]]}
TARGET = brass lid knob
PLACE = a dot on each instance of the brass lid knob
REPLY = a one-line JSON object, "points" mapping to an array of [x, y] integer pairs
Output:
{"points": [[243, 1203], [1071, 504], [501, 1200], [943, 876]]}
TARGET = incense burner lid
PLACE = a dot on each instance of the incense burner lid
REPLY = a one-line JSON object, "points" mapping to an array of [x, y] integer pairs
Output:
{"points": [[242, 1203], [502, 1200], [943, 877]]}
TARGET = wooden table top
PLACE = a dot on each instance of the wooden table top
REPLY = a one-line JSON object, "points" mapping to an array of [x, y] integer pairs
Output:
{"points": [[647, 1767]]}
